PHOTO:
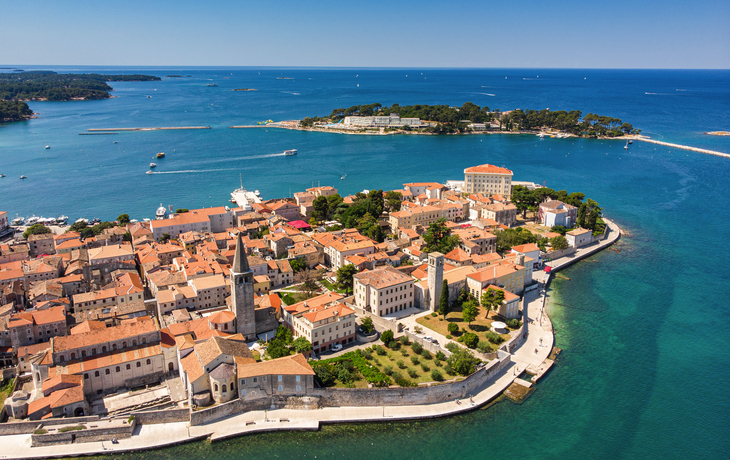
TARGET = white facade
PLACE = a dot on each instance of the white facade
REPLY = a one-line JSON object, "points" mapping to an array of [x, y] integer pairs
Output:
{"points": [[392, 121]]}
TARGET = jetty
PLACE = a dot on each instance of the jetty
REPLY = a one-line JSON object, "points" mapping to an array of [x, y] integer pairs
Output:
{"points": [[147, 129], [683, 147]]}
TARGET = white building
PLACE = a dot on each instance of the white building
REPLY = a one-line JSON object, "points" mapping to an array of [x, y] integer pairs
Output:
{"points": [[383, 291], [392, 121], [488, 179]]}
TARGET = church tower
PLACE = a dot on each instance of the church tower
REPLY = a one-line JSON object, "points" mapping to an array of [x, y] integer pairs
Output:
{"points": [[435, 279], [242, 293]]}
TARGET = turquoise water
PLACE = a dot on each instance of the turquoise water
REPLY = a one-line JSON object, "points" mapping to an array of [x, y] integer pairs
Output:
{"points": [[644, 331]]}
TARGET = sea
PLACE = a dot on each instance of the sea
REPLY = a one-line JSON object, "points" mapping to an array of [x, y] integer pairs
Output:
{"points": [[643, 327]]}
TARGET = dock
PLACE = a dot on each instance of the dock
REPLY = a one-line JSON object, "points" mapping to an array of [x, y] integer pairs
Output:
{"points": [[147, 129], [684, 147]]}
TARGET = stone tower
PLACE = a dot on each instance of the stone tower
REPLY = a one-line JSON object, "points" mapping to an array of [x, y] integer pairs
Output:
{"points": [[435, 279], [242, 293]]}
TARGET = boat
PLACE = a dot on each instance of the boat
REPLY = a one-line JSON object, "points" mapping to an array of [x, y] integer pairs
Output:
{"points": [[161, 212], [150, 172], [2, 175], [62, 220], [82, 220], [291, 152], [115, 142], [31, 220], [257, 193], [244, 198], [149, 97], [95, 221], [48, 147], [23, 177], [18, 221], [146, 219], [153, 165], [342, 178], [541, 135], [211, 85], [626, 147], [630, 141], [160, 155]]}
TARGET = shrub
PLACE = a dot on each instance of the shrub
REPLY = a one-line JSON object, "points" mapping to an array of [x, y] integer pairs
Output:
{"points": [[425, 367], [380, 350], [452, 328], [367, 354], [404, 340], [440, 356], [495, 338], [434, 314], [401, 364], [513, 323], [386, 336], [437, 363], [393, 344], [397, 376], [470, 339], [463, 362], [388, 370], [367, 325], [417, 348], [448, 369], [441, 319], [418, 329], [40, 431], [404, 352], [368, 371], [344, 376], [72, 428], [403, 382], [412, 373], [452, 347], [483, 346], [426, 354], [415, 360], [460, 339], [436, 375], [449, 336], [324, 373], [130, 419], [426, 318]]}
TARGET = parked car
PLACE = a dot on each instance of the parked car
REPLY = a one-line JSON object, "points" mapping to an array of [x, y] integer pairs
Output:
{"points": [[336, 347]]}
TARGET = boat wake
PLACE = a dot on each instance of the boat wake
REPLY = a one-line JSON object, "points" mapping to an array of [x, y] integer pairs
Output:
{"points": [[188, 171], [485, 94], [254, 157]]}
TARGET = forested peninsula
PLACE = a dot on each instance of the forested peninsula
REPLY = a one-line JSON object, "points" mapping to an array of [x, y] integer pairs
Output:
{"points": [[444, 119], [16, 88]]}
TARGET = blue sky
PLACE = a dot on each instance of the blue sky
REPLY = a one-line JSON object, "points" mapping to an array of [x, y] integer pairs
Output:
{"points": [[425, 33]]}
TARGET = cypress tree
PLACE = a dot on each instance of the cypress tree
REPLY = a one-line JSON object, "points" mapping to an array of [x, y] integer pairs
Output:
{"points": [[444, 300]]}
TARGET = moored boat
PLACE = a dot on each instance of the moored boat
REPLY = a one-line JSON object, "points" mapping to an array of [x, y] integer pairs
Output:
{"points": [[48, 147], [23, 177], [153, 165], [160, 155], [161, 212]]}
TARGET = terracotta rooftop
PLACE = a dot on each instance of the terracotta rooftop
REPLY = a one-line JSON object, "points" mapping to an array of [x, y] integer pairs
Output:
{"points": [[109, 334], [382, 277], [488, 169], [288, 365]]}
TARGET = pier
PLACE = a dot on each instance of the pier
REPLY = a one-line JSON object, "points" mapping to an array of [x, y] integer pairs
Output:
{"points": [[684, 147], [147, 129]]}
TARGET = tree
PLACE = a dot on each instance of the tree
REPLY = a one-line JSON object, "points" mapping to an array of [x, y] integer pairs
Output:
{"points": [[387, 336], [127, 237], [444, 299], [324, 374], [308, 278], [582, 211], [393, 200], [492, 298], [123, 219], [298, 265], [320, 208], [469, 311], [301, 345], [366, 324], [344, 277], [453, 328], [36, 229], [470, 339], [164, 238], [559, 229], [438, 237], [559, 242], [462, 361]]}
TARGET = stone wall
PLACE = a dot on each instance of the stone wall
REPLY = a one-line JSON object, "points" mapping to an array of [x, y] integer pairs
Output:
{"points": [[89, 434], [237, 406], [162, 416], [266, 320], [562, 253], [349, 397], [519, 337], [144, 380], [29, 427]]}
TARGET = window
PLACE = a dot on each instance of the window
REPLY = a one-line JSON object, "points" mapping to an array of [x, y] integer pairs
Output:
{"points": [[216, 387], [134, 343], [103, 349], [281, 388], [280, 378], [73, 355], [299, 388], [298, 378], [62, 358], [93, 351], [86, 376], [114, 346], [119, 369], [264, 379], [83, 353], [255, 380], [124, 344], [144, 340], [107, 372], [225, 389], [96, 374], [243, 392], [139, 364], [129, 366], [149, 362]]}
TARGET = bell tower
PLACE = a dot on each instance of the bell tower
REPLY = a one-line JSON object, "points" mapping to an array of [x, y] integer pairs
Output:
{"points": [[242, 302], [435, 279]]}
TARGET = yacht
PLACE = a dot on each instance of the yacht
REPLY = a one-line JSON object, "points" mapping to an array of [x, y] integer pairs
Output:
{"points": [[23, 177], [62, 220], [153, 165], [150, 172], [48, 147], [95, 221], [291, 152], [160, 155], [82, 220], [161, 212], [18, 221], [244, 198]]}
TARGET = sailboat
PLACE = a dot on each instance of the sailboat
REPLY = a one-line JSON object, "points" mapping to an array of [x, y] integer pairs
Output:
{"points": [[626, 147]]}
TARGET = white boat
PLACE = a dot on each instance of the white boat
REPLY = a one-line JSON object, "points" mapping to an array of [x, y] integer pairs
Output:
{"points": [[146, 219], [153, 165], [2, 175], [62, 220], [626, 147], [631, 142], [82, 220], [95, 221], [18, 221], [31, 220], [150, 172], [48, 147], [257, 193], [244, 198], [23, 177], [161, 212], [291, 152], [541, 135]]}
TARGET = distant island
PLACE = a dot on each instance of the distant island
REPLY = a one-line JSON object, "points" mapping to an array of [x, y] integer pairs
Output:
{"points": [[444, 119], [15, 89], [244, 89], [285, 78]]}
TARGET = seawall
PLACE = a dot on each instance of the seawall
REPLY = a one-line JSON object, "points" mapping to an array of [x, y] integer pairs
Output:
{"points": [[684, 147]]}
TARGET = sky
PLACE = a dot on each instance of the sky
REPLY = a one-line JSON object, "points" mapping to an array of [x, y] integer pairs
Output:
{"points": [[514, 33]]}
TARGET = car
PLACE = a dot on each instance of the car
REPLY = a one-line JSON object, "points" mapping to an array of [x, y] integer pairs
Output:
{"points": [[427, 338], [435, 341], [336, 347]]}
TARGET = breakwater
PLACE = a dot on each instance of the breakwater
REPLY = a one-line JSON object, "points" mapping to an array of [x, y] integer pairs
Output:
{"points": [[164, 128], [684, 147]]}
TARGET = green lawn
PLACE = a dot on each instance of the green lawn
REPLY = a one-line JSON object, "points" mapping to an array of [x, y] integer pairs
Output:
{"points": [[331, 287], [5, 391], [480, 326], [393, 356]]}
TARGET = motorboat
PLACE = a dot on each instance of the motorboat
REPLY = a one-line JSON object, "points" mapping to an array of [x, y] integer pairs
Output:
{"points": [[161, 212], [31, 220], [257, 193], [160, 155], [95, 221], [541, 135], [18, 221], [211, 85], [291, 152], [149, 97], [23, 177], [2, 175], [150, 172], [630, 141], [626, 147], [62, 220], [115, 142], [82, 220], [48, 147], [153, 165]]}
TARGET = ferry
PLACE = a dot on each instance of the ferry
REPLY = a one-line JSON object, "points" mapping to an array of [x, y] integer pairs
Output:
{"points": [[153, 165], [291, 152], [161, 212], [23, 177], [160, 155]]}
